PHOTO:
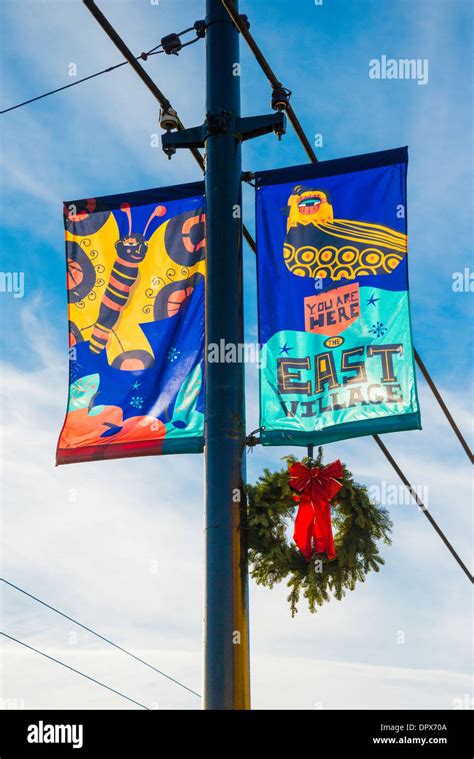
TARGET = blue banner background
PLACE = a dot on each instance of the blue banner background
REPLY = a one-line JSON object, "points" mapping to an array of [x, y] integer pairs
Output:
{"points": [[367, 190]]}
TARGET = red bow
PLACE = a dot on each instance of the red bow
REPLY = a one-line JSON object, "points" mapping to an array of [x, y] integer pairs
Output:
{"points": [[317, 486]]}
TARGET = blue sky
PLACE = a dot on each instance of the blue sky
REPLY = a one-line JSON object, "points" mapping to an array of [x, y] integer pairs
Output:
{"points": [[86, 537]]}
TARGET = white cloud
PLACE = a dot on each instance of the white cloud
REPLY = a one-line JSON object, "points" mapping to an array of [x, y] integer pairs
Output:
{"points": [[119, 545], [312, 683], [86, 537]]}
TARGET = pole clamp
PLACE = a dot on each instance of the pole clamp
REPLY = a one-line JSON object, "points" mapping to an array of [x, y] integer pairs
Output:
{"points": [[218, 123]]}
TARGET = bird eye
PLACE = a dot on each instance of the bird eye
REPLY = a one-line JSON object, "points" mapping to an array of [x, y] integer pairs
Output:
{"points": [[310, 202]]}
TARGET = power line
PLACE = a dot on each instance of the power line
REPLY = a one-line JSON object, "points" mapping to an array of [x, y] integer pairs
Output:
{"points": [[187, 44], [98, 635], [143, 56], [153, 88], [179, 34], [240, 23], [77, 671], [423, 508], [243, 27], [65, 87], [445, 409], [110, 31], [137, 67], [252, 440], [134, 62]]}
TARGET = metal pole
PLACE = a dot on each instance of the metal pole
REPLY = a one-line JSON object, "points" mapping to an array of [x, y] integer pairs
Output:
{"points": [[226, 640], [226, 656]]}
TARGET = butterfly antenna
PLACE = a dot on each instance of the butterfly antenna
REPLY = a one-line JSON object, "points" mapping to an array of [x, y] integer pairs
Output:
{"points": [[125, 207], [159, 211]]}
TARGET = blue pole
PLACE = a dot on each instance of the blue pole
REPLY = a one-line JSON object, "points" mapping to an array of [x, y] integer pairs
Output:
{"points": [[226, 635], [226, 657]]}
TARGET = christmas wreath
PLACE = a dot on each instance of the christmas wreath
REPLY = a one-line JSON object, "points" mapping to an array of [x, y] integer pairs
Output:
{"points": [[319, 567]]}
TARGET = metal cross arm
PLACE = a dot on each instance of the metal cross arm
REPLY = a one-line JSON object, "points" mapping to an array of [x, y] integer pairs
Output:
{"points": [[224, 123], [256, 126], [193, 137]]}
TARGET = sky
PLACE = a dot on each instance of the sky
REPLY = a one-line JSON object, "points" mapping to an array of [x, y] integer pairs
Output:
{"points": [[119, 544]]}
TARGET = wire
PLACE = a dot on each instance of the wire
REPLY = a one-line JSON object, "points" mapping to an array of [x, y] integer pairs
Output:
{"points": [[138, 68], [420, 503], [269, 73], [66, 86], [300, 132], [143, 56], [252, 441], [98, 635], [77, 671], [133, 60], [242, 27], [187, 44], [445, 409], [110, 31], [179, 34], [271, 76]]}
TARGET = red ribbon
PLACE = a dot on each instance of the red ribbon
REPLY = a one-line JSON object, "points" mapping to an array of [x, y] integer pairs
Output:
{"points": [[317, 485]]}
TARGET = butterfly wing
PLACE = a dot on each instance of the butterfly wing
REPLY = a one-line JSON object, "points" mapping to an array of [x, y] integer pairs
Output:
{"points": [[90, 257]]}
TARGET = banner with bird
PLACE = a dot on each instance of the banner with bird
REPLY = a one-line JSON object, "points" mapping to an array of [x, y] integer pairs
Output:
{"points": [[135, 288], [336, 357]]}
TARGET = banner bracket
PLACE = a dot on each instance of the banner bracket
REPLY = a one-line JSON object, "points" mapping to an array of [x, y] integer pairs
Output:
{"points": [[193, 137], [249, 127]]}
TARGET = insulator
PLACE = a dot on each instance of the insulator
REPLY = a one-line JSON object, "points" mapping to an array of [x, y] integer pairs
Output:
{"points": [[171, 44], [168, 119], [280, 98], [200, 27]]}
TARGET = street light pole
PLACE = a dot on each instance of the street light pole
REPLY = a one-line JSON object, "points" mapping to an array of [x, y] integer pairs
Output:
{"points": [[226, 636], [226, 659]]}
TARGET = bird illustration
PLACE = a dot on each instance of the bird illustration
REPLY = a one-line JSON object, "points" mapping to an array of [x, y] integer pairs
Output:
{"points": [[318, 245]]}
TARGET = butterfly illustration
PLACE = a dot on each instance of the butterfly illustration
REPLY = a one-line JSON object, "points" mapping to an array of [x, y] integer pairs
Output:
{"points": [[120, 281]]}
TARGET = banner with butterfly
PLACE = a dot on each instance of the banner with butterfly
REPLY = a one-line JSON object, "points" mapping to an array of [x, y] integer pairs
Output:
{"points": [[135, 285], [334, 315]]}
